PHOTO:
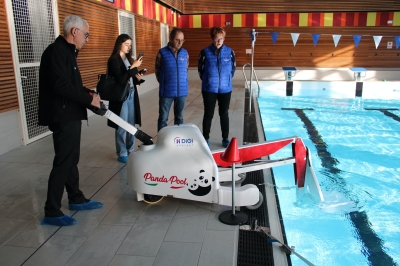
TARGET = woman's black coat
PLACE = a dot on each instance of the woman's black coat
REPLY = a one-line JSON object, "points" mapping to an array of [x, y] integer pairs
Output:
{"points": [[118, 70]]}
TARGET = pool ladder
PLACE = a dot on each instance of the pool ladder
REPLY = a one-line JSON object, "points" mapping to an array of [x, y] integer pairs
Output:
{"points": [[255, 75]]}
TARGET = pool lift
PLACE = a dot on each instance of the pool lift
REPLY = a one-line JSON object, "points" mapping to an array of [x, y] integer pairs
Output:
{"points": [[180, 164]]}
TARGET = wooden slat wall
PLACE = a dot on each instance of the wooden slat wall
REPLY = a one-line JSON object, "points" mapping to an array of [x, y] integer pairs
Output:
{"points": [[258, 6], [103, 28], [148, 40], [8, 88], [304, 54], [176, 4]]}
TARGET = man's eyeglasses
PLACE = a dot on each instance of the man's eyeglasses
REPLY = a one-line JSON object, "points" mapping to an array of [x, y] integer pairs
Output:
{"points": [[86, 34], [180, 40], [219, 40]]}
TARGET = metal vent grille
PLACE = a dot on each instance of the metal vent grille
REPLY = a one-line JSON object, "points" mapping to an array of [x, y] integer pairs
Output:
{"points": [[30, 84], [164, 34], [34, 31], [127, 26], [34, 28]]}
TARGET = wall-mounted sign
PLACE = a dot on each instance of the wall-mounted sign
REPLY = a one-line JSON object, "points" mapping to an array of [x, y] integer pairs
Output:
{"points": [[389, 45]]}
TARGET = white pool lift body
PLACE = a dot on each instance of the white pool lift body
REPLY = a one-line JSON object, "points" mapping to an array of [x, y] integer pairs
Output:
{"points": [[180, 164]]}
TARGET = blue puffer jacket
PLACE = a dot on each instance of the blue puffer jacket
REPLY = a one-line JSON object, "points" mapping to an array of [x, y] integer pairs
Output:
{"points": [[216, 71], [173, 77]]}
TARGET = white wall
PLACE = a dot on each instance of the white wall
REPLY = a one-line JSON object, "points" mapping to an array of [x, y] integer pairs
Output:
{"points": [[10, 137]]}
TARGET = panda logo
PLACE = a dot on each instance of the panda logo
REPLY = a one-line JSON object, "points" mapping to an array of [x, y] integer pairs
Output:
{"points": [[201, 187]]}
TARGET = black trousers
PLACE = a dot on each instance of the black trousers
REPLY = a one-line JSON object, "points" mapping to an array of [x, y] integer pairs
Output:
{"points": [[66, 141], [209, 100]]}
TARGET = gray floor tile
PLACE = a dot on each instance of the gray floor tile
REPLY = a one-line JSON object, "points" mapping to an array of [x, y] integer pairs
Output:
{"points": [[87, 221], [13, 256], [218, 249], [56, 252], [100, 247], [11, 227], [33, 235], [162, 211], [144, 239], [213, 220], [125, 212], [178, 254], [187, 229], [119, 260], [112, 191]]}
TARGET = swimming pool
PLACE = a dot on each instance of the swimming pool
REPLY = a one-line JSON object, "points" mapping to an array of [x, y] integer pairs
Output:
{"points": [[355, 146]]}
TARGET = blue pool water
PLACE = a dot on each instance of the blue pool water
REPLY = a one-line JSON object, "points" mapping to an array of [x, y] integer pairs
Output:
{"points": [[356, 158]]}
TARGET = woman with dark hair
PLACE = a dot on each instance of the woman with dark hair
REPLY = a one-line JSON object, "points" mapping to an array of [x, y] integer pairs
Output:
{"points": [[122, 67]]}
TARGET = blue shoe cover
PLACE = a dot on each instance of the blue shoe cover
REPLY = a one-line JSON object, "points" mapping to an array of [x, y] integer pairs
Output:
{"points": [[225, 143], [208, 143], [59, 221], [122, 159], [85, 206]]}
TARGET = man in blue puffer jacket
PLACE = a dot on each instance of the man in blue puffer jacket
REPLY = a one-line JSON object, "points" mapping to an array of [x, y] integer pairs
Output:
{"points": [[216, 66], [172, 64]]}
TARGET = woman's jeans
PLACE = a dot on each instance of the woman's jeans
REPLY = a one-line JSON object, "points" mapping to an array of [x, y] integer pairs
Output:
{"points": [[164, 105], [124, 141], [209, 100]]}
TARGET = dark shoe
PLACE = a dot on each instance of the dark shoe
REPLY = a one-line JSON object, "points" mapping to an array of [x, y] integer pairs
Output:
{"points": [[59, 221], [122, 159], [225, 143], [85, 206]]}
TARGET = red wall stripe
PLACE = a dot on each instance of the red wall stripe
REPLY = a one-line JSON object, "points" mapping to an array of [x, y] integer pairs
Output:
{"points": [[349, 20]]}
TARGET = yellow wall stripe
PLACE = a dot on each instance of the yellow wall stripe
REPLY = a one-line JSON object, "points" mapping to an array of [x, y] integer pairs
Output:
{"points": [[164, 10], [262, 20], [328, 19], [128, 5], [237, 20], [371, 19], [396, 19], [140, 7], [196, 21], [303, 19], [157, 12]]}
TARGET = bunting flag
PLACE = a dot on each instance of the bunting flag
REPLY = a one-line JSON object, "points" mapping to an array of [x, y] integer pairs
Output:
{"points": [[397, 41], [377, 40], [315, 38], [295, 37], [336, 39], [274, 36], [357, 39]]}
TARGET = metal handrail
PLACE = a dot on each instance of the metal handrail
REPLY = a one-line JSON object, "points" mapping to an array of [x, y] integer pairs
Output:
{"points": [[245, 78]]}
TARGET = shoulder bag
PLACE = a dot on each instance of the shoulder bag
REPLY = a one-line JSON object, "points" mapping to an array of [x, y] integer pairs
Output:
{"points": [[110, 90]]}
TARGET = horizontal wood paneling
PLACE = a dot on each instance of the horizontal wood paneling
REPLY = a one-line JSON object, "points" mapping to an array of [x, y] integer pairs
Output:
{"points": [[175, 4], [103, 28], [8, 88], [257, 6], [304, 54], [148, 40]]}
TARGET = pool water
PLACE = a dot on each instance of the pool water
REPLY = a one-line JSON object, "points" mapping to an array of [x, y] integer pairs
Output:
{"points": [[356, 157]]}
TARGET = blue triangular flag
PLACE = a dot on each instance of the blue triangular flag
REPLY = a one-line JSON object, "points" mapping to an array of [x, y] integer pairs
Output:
{"points": [[397, 41], [357, 39], [274, 36], [315, 38]]}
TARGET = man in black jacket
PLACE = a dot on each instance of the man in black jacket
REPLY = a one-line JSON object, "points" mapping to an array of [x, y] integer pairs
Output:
{"points": [[62, 106]]}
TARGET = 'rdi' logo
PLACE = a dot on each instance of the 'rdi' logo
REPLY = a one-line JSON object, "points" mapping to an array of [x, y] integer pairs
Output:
{"points": [[181, 141]]}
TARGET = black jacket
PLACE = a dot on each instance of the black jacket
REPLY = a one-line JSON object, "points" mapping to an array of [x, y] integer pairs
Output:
{"points": [[117, 69], [62, 97]]}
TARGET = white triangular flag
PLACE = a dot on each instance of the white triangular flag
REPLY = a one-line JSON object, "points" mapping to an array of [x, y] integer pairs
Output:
{"points": [[336, 39], [377, 40], [295, 37]]}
